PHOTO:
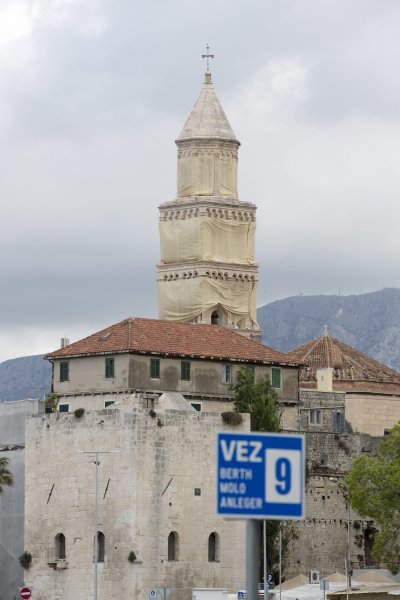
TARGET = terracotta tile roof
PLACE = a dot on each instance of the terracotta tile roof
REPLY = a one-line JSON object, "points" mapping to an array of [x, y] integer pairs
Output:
{"points": [[173, 338], [349, 364]]}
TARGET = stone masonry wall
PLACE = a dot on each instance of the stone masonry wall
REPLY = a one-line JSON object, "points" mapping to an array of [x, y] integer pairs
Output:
{"points": [[161, 479], [320, 541]]}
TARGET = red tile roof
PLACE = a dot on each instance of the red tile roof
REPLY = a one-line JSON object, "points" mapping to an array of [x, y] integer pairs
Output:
{"points": [[349, 364], [173, 338]]}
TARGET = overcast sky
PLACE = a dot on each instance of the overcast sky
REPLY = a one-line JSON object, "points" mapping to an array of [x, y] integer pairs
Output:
{"points": [[93, 94]]}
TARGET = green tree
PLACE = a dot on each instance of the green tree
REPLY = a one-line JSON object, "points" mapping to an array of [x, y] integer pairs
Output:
{"points": [[373, 483], [6, 477], [259, 399]]}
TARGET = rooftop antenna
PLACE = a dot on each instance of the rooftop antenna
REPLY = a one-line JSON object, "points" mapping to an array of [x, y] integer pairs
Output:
{"points": [[208, 56]]}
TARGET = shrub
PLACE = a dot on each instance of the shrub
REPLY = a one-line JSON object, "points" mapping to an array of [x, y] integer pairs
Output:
{"points": [[79, 412], [25, 560], [232, 418], [152, 413], [131, 556]]}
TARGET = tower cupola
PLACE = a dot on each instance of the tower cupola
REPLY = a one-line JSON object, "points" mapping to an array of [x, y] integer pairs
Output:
{"points": [[207, 271]]}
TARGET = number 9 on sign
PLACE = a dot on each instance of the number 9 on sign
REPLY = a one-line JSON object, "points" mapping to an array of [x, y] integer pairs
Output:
{"points": [[282, 476]]}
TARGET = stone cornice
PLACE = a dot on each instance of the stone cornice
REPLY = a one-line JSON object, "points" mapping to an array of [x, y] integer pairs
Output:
{"points": [[228, 210]]}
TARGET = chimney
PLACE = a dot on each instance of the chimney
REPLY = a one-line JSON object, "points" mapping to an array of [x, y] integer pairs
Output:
{"points": [[324, 380], [64, 342]]}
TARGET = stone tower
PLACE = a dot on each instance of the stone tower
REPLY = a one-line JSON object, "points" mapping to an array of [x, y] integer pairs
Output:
{"points": [[207, 271]]}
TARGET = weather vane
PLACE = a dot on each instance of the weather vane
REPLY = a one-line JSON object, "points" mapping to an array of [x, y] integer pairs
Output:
{"points": [[208, 56]]}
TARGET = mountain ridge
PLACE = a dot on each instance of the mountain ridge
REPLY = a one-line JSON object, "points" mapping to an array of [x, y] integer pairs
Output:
{"points": [[369, 322]]}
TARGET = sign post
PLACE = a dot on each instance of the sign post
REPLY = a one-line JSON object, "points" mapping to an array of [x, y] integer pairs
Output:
{"points": [[259, 476]]}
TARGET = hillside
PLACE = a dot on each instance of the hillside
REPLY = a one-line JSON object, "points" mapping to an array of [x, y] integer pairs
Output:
{"points": [[25, 377], [369, 322]]}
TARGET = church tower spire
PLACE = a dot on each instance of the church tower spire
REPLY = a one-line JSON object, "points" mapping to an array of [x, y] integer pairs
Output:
{"points": [[207, 271]]}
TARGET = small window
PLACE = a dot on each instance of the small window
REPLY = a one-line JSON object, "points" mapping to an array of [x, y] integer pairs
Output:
{"points": [[185, 370], [109, 368], [63, 407], [197, 406], [60, 546], [213, 547], [276, 377], [155, 368], [338, 422], [315, 416], [173, 542], [101, 546], [252, 370], [227, 374], [108, 403], [64, 371]]}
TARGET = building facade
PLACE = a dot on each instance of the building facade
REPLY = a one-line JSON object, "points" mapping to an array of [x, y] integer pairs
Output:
{"points": [[372, 389], [149, 356]]}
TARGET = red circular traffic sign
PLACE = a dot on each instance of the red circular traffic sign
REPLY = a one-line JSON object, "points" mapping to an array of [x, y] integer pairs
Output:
{"points": [[25, 593]]}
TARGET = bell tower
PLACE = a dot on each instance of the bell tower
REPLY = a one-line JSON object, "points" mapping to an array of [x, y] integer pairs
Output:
{"points": [[207, 271]]}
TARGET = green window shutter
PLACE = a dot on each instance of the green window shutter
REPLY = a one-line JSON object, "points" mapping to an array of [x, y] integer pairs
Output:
{"points": [[109, 367], [226, 374], [185, 370], [276, 377], [64, 371], [155, 368], [63, 408], [252, 370]]}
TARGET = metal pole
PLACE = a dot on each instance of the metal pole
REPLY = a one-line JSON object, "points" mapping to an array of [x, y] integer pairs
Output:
{"points": [[280, 560], [252, 559], [96, 512], [96, 528], [265, 560], [348, 543]]}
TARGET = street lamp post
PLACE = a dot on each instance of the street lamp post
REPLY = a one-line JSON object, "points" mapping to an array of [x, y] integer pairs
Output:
{"points": [[96, 512]]}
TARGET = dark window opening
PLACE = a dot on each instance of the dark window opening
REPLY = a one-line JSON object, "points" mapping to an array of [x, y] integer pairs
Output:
{"points": [[60, 546], [64, 371], [101, 546], [338, 422], [155, 368], [276, 377], [185, 370], [173, 546], [213, 547], [109, 368]]}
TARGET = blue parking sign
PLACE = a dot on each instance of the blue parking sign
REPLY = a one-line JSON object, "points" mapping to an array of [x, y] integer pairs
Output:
{"points": [[260, 475]]}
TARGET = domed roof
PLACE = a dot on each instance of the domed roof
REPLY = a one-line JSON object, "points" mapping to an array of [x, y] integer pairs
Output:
{"points": [[207, 119], [351, 368]]}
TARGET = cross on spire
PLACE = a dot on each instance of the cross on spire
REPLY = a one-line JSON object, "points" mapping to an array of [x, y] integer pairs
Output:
{"points": [[208, 56]]}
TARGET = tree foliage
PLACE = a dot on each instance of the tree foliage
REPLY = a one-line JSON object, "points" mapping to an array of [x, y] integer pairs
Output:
{"points": [[261, 401], [257, 398], [6, 477], [374, 491]]}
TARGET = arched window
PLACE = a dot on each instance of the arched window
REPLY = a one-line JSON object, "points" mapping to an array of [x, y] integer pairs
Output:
{"points": [[213, 547], [215, 318], [173, 546], [60, 546], [101, 546]]}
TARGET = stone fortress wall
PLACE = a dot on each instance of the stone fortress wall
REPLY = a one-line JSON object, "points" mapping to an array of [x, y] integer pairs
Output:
{"points": [[160, 480]]}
